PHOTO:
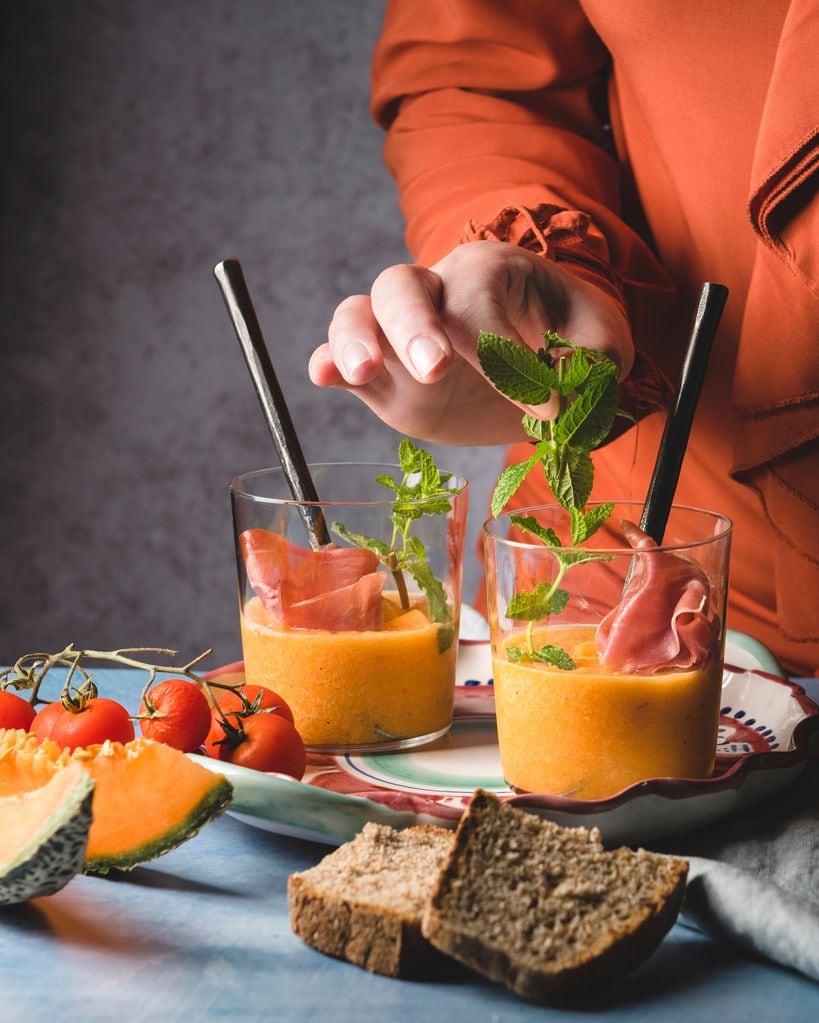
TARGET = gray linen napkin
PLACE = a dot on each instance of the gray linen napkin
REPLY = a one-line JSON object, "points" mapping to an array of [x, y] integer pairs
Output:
{"points": [[755, 878]]}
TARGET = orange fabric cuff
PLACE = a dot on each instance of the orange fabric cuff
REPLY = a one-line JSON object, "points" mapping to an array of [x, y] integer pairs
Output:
{"points": [[559, 234], [555, 233]]}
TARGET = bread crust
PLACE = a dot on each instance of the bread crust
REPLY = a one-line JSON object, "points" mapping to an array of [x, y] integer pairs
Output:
{"points": [[374, 939], [365, 902], [618, 951], [368, 933]]}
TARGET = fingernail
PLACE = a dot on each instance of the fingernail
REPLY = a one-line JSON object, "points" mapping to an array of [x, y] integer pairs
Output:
{"points": [[353, 355], [425, 354]]}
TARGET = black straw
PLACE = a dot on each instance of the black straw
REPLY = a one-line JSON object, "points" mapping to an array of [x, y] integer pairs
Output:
{"points": [[678, 425], [243, 316]]}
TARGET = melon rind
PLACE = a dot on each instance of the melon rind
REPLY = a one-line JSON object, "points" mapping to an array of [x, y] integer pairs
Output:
{"points": [[56, 853], [27, 763], [214, 803]]}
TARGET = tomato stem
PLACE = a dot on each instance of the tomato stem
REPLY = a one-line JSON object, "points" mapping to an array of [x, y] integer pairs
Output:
{"points": [[30, 670]]}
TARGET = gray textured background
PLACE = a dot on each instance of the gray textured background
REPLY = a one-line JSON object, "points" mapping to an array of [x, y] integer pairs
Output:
{"points": [[142, 143]]}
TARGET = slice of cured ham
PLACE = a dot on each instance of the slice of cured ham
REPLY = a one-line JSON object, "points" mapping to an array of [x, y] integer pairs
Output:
{"points": [[663, 619], [333, 588]]}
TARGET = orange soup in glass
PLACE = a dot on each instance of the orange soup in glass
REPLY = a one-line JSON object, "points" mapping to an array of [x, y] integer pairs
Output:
{"points": [[359, 634], [608, 666]]}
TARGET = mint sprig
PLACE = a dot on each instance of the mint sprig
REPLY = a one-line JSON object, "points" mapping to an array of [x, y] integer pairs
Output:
{"points": [[422, 490], [585, 383]]}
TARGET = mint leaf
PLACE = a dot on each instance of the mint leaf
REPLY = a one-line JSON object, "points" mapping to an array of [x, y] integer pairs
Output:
{"points": [[554, 655], [515, 370], [430, 476], [414, 548], [357, 540], [407, 455], [405, 511], [539, 429], [557, 656], [437, 605], [435, 506], [572, 481], [585, 523], [602, 368], [579, 556], [531, 525], [531, 606], [445, 637], [576, 372], [578, 525], [512, 477], [508, 482], [413, 559], [387, 481], [589, 418]]}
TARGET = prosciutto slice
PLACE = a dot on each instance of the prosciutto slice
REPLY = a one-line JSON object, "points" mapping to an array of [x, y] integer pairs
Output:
{"points": [[663, 619], [334, 588]]}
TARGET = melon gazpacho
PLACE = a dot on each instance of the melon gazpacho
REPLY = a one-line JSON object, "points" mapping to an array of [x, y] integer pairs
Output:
{"points": [[354, 665], [635, 697], [591, 732]]}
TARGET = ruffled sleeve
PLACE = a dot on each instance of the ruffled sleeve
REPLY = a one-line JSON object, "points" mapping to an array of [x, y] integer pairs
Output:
{"points": [[497, 125], [552, 232]]}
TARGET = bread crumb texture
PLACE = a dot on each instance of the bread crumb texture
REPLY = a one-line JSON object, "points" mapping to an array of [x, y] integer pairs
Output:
{"points": [[363, 902], [543, 908]]}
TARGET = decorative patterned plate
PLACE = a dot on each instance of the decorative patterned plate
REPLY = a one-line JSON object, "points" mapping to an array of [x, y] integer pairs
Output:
{"points": [[766, 728]]}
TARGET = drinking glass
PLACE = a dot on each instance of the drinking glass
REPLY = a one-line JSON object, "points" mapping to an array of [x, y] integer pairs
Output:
{"points": [[360, 643], [608, 670]]}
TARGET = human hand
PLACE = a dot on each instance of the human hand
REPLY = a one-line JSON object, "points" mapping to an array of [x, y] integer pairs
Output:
{"points": [[409, 349]]}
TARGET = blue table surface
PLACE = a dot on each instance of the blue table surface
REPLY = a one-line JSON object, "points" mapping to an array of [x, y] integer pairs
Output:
{"points": [[203, 933]]}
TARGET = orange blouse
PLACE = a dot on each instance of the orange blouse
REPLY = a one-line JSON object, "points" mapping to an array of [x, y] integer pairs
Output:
{"points": [[688, 137]]}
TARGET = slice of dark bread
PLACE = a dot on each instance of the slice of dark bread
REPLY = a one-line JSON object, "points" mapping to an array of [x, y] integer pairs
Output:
{"points": [[544, 909], [363, 901]]}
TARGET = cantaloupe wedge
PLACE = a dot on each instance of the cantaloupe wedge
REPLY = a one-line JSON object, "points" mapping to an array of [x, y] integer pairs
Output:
{"points": [[44, 834], [148, 797]]}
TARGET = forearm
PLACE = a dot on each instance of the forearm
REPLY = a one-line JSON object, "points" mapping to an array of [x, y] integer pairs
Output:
{"points": [[496, 106]]}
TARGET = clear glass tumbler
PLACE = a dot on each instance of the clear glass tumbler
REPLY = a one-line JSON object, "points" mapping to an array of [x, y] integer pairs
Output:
{"points": [[358, 635], [607, 657]]}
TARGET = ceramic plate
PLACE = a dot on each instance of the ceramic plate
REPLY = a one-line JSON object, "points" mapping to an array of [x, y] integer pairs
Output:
{"points": [[766, 728]]}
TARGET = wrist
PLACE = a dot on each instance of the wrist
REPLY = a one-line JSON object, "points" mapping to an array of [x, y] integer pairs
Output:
{"points": [[555, 233]]}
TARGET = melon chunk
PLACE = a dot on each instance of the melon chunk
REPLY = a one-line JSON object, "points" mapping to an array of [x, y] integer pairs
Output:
{"points": [[409, 620], [43, 835], [148, 799]]}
